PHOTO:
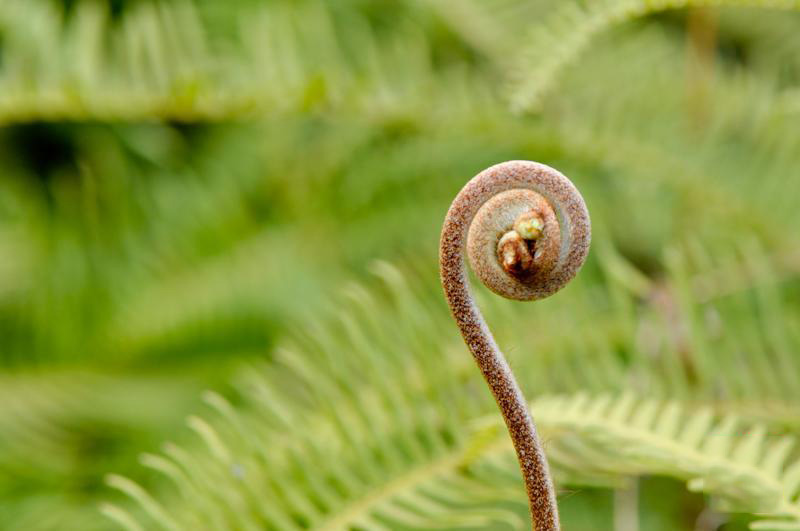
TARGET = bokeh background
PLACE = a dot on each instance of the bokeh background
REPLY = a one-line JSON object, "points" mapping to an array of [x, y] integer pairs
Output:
{"points": [[186, 186]]}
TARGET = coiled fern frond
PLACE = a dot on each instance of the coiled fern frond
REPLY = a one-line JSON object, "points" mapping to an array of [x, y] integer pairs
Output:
{"points": [[690, 294]]}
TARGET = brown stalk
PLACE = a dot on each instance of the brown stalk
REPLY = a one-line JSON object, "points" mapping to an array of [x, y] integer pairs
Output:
{"points": [[496, 202], [702, 47]]}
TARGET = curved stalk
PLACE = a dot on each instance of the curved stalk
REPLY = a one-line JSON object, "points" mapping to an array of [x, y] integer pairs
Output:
{"points": [[546, 273]]}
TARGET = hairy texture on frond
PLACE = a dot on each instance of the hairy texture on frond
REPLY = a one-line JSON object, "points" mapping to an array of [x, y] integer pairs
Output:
{"points": [[491, 194]]}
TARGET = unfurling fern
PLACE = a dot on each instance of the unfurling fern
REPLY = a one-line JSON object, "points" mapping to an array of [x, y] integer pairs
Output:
{"points": [[380, 442], [526, 230], [365, 420]]}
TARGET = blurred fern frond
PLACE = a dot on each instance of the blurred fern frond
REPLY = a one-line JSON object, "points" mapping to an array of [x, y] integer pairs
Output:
{"points": [[572, 27], [736, 463], [163, 60], [384, 431], [60, 431]]}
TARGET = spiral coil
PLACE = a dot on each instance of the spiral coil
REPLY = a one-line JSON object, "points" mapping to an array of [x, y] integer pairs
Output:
{"points": [[526, 231]]}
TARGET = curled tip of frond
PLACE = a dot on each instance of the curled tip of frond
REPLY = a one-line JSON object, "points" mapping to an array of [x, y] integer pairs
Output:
{"points": [[526, 231], [530, 231], [514, 242]]}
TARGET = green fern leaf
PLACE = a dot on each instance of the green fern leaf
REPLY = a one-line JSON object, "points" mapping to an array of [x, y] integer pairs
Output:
{"points": [[384, 434], [571, 28]]}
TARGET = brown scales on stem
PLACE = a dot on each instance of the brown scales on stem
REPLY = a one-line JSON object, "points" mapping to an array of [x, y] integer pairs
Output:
{"points": [[526, 231]]}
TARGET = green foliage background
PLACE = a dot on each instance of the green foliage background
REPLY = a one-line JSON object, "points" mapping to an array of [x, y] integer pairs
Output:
{"points": [[245, 197]]}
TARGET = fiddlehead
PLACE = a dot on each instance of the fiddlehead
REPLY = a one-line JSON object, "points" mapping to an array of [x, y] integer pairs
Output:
{"points": [[526, 231]]}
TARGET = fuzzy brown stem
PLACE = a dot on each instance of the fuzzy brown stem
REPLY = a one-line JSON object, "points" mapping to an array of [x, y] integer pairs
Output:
{"points": [[569, 206]]}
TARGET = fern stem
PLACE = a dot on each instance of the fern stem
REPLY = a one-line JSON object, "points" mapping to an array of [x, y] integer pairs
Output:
{"points": [[573, 231]]}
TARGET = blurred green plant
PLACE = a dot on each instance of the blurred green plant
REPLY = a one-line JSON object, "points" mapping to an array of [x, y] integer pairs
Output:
{"points": [[183, 180], [379, 442]]}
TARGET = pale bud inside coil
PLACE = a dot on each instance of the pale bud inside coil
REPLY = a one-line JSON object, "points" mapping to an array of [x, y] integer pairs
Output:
{"points": [[513, 244]]}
